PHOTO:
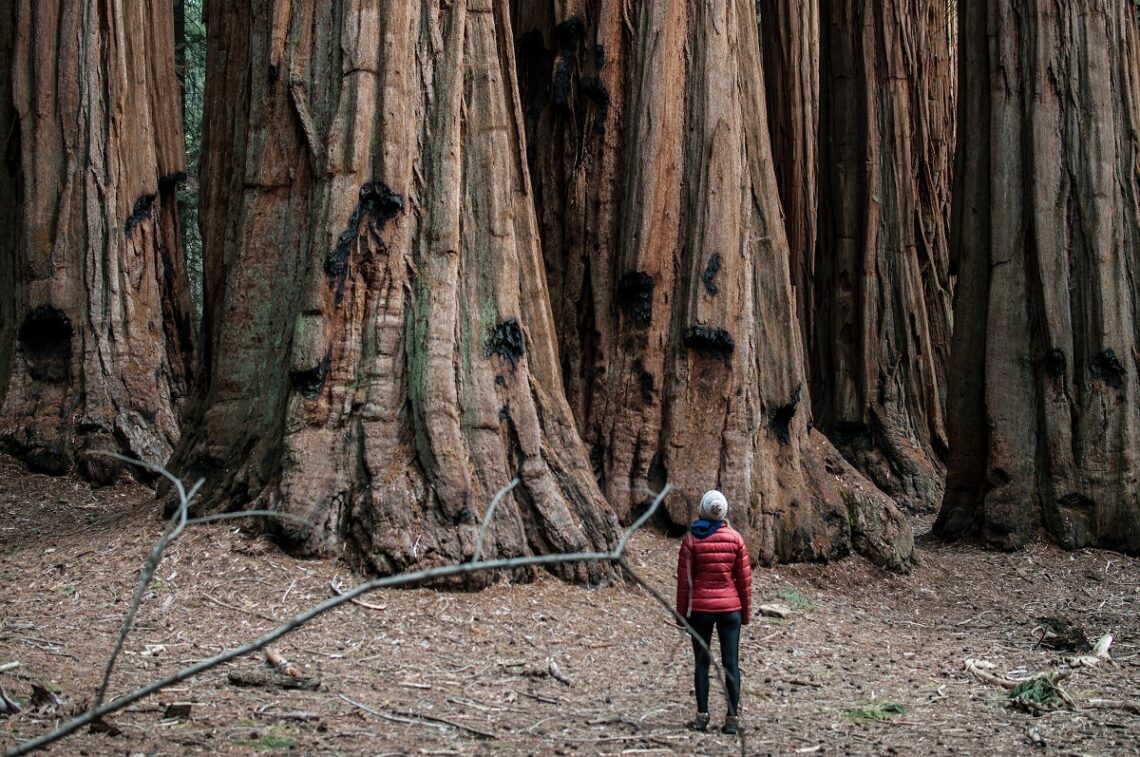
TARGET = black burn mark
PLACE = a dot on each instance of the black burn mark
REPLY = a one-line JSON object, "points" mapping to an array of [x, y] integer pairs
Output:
{"points": [[45, 340], [567, 36], [144, 209], [780, 419], [645, 382], [708, 277], [507, 341], [635, 297], [376, 201], [273, 74], [599, 56], [1055, 362], [309, 382], [657, 473], [709, 341], [535, 61], [1108, 369], [597, 457], [851, 436]]}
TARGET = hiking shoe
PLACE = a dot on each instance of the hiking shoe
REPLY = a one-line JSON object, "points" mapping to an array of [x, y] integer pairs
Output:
{"points": [[731, 725], [700, 722]]}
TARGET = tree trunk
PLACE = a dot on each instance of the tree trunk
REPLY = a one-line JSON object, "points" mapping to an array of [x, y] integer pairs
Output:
{"points": [[668, 258], [96, 337], [380, 350], [1044, 409], [790, 45], [882, 286]]}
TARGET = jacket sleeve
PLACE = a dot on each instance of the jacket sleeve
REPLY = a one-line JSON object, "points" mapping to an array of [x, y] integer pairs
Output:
{"points": [[684, 558], [742, 575]]}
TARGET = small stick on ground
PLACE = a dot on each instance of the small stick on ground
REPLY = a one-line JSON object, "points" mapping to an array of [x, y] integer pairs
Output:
{"points": [[359, 602]]}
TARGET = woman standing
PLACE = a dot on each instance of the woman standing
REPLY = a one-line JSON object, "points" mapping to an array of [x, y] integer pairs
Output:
{"points": [[714, 588]]}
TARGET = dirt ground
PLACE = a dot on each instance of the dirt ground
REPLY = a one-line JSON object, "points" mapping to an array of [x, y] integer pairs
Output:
{"points": [[445, 673]]}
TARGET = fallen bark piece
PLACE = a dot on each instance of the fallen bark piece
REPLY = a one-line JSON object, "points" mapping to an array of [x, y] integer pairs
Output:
{"points": [[270, 679], [1102, 645], [277, 662], [556, 673], [775, 610], [102, 725], [8, 706], [177, 711]]}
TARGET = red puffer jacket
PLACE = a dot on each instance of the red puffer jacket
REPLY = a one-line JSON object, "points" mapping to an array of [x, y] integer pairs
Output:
{"points": [[714, 574]]}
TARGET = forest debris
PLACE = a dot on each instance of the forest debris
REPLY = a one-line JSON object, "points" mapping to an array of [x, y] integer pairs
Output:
{"points": [[1061, 634], [358, 602], [277, 662], [418, 719], [884, 710], [1099, 654], [272, 679], [1033, 734], [1130, 705], [102, 725], [775, 610], [9, 666], [8, 706], [45, 700], [556, 673], [300, 716], [177, 711], [1041, 693], [980, 669]]}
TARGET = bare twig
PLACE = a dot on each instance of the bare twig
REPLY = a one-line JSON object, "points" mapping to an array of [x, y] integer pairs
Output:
{"points": [[404, 579], [490, 513], [367, 605], [178, 523]]}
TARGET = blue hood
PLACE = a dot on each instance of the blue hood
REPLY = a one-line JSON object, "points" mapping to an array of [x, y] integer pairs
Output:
{"points": [[705, 527]]}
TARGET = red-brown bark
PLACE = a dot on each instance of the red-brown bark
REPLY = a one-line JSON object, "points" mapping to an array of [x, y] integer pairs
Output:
{"points": [[380, 348], [96, 338], [666, 250], [1044, 402], [882, 284]]}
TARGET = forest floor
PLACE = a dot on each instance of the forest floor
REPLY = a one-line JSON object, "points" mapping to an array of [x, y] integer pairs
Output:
{"points": [[443, 673]]}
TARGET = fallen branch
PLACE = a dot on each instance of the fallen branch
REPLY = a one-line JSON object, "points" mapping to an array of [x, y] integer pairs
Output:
{"points": [[337, 591], [404, 579]]}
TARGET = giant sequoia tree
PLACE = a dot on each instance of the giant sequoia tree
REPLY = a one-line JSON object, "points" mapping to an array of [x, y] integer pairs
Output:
{"points": [[664, 243], [95, 334], [882, 284], [861, 97], [1044, 410], [380, 354]]}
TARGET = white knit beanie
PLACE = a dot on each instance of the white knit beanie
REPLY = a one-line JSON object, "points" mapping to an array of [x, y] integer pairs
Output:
{"points": [[714, 506]]}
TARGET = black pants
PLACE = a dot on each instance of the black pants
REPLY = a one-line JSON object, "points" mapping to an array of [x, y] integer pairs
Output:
{"points": [[728, 631]]}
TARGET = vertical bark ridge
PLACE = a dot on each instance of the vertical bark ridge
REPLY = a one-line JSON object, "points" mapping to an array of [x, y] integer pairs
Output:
{"points": [[415, 370], [883, 289], [99, 307], [688, 348], [790, 35], [1047, 239]]}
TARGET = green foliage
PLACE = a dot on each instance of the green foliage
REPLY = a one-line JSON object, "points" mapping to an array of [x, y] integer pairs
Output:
{"points": [[874, 711], [192, 76], [1038, 693], [269, 742], [793, 597]]}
